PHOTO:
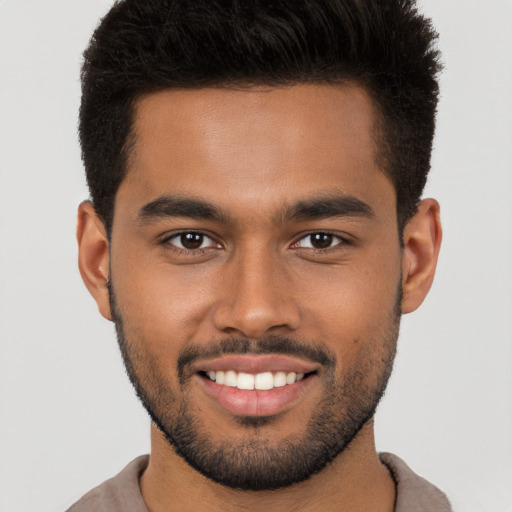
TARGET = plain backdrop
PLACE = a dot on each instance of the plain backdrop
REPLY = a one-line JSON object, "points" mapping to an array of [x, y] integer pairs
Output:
{"points": [[68, 416]]}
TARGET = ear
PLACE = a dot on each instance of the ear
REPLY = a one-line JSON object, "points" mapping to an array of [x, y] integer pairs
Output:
{"points": [[422, 240], [93, 256]]}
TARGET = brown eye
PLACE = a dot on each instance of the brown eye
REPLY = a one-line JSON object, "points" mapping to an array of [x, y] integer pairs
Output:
{"points": [[321, 240], [190, 241]]}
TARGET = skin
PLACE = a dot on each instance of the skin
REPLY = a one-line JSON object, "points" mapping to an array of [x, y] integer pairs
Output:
{"points": [[254, 153]]}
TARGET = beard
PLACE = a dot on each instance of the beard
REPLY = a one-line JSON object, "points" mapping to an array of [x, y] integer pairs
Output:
{"points": [[254, 463]]}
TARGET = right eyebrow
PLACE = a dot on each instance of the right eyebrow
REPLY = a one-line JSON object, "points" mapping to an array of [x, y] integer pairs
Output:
{"points": [[169, 206]]}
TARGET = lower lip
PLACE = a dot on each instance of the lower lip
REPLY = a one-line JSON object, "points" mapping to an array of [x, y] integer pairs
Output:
{"points": [[254, 402]]}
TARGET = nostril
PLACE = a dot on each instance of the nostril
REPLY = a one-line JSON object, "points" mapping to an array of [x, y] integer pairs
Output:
{"points": [[253, 314]]}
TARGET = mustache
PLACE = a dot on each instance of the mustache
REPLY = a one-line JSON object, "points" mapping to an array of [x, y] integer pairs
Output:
{"points": [[279, 345]]}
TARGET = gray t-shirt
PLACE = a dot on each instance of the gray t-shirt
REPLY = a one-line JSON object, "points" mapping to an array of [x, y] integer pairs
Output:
{"points": [[122, 493]]}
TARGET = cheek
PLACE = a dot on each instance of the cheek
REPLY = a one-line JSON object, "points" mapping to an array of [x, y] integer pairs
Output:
{"points": [[345, 306], [354, 308], [160, 303]]}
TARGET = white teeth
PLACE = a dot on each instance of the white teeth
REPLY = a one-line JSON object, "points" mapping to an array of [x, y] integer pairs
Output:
{"points": [[245, 381], [279, 379], [264, 381], [291, 378], [230, 378], [260, 381]]}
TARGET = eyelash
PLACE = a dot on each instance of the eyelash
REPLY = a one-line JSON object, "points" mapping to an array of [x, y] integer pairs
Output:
{"points": [[342, 241], [201, 250]]}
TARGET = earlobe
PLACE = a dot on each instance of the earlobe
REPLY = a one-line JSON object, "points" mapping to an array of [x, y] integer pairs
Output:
{"points": [[422, 241], [93, 256]]}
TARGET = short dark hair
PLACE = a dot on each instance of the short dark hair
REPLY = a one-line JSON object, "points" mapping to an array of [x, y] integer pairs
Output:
{"points": [[144, 46]]}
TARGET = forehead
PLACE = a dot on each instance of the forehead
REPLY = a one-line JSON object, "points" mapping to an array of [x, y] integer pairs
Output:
{"points": [[254, 146]]}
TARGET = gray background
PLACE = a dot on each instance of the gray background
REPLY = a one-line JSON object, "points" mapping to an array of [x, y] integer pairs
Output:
{"points": [[68, 417]]}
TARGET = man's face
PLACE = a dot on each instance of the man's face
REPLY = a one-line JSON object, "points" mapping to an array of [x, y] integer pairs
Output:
{"points": [[255, 245]]}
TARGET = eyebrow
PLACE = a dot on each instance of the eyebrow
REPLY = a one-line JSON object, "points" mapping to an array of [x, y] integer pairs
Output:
{"points": [[175, 206], [311, 209], [328, 206]]}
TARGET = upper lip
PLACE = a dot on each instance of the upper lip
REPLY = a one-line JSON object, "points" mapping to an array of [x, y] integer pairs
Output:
{"points": [[252, 363]]}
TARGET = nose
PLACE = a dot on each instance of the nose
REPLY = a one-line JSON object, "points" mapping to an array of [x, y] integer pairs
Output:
{"points": [[257, 299]]}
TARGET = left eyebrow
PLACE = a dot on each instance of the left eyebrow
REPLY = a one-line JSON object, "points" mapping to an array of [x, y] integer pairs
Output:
{"points": [[326, 207]]}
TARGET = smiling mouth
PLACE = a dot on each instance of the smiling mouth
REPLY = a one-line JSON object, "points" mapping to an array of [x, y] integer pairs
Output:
{"points": [[259, 382], [257, 385]]}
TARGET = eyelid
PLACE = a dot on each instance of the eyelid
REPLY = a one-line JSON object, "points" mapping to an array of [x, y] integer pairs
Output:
{"points": [[165, 239], [343, 240]]}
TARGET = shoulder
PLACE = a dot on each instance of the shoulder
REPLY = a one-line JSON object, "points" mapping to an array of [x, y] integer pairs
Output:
{"points": [[117, 494], [413, 493]]}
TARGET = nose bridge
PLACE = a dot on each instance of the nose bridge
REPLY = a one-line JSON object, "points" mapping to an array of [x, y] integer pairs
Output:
{"points": [[257, 298]]}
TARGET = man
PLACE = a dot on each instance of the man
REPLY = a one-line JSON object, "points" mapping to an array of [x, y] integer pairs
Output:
{"points": [[255, 231]]}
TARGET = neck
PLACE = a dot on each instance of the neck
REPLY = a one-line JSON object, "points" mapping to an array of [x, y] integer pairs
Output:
{"points": [[355, 480]]}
